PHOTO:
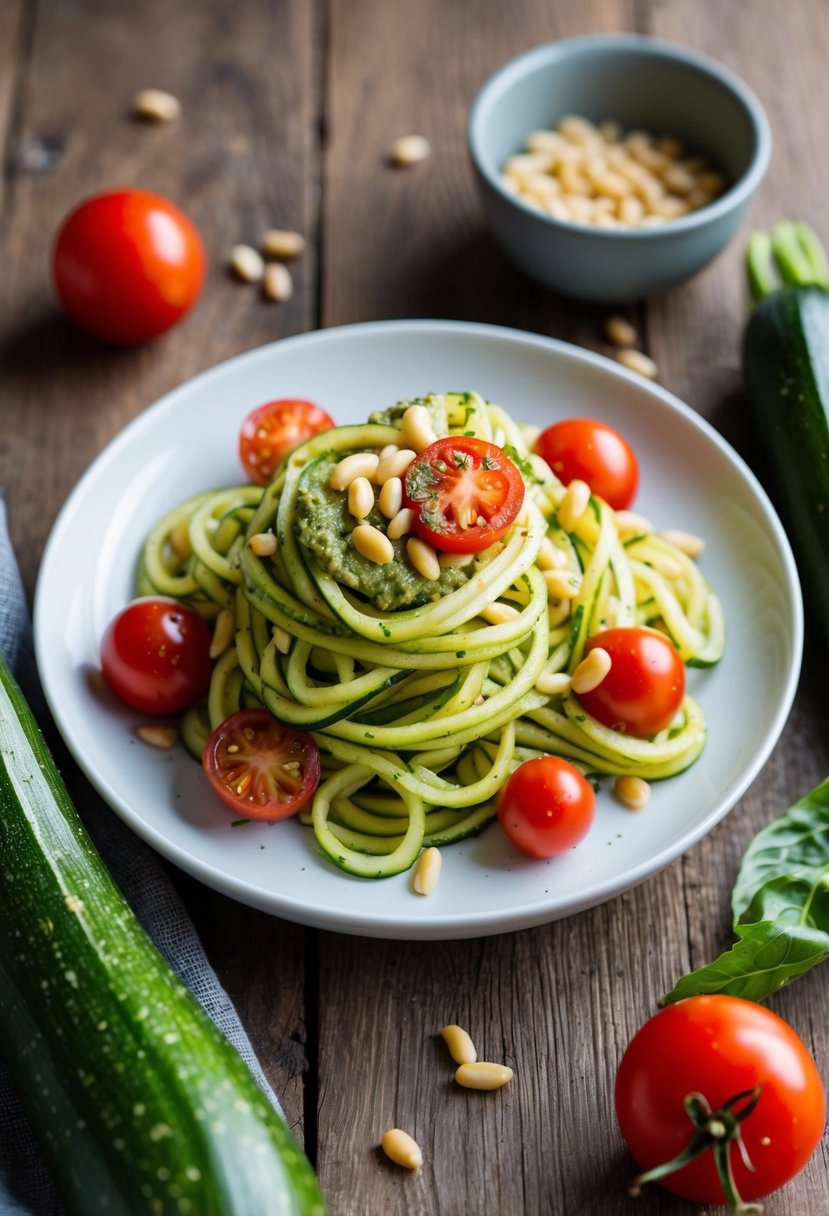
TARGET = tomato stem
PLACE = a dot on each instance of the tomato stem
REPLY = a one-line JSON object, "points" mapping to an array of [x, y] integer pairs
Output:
{"points": [[717, 1131]]}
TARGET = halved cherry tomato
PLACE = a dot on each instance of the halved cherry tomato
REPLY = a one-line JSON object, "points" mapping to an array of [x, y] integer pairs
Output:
{"points": [[273, 430], [718, 1048], [127, 265], [644, 688], [593, 452], [155, 656], [465, 493], [546, 806], [260, 768]]}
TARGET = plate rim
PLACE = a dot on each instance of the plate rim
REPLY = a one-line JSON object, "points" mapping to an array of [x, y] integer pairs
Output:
{"points": [[454, 926]]}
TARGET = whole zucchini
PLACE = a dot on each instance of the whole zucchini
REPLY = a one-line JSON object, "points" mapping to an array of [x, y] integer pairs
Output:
{"points": [[142, 1106], [786, 369]]}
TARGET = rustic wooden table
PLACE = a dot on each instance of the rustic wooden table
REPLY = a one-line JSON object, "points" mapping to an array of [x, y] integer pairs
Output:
{"points": [[289, 107]]}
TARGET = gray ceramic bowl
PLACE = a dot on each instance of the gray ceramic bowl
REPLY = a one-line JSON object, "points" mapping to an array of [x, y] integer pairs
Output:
{"points": [[640, 83]]}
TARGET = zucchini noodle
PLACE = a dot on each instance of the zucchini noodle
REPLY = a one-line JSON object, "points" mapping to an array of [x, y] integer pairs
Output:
{"points": [[422, 711]]}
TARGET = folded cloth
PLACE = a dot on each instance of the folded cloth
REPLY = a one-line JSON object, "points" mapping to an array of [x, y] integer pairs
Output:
{"points": [[26, 1188]]}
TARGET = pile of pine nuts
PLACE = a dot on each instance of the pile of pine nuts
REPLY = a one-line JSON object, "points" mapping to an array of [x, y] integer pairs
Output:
{"points": [[358, 474], [599, 175]]}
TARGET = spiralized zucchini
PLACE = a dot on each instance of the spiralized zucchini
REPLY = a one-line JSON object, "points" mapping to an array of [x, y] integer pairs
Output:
{"points": [[422, 713]]}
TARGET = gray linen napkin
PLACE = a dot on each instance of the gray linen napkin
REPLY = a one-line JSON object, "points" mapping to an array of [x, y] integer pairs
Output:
{"points": [[26, 1188]]}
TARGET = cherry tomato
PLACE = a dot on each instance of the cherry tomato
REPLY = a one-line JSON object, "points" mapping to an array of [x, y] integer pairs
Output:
{"points": [[260, 768], [465, 492], [273, 430], [593, 452], [546, 807], [127, 265], [719, 1047], [155, 656], [644, 688]]}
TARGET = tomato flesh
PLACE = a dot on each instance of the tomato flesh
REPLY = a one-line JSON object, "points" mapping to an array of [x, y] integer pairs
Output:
{"points": [[465, 493], [720, 1046], [259, 767], [127, 265], [645, 687], [273, 430], [583, 449], [155, 656], [546, 807]]}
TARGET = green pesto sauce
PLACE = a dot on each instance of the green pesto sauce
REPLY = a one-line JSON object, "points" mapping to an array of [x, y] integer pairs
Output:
{"points": [[323, 528]]}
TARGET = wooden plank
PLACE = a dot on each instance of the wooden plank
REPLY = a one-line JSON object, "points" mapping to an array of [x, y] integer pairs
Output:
{"points": [[243, 157], [417, 245]]}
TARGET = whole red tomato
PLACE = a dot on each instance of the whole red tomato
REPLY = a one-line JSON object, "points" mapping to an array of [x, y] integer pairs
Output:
{"points": [[546, 806], [127, 265], [711, 1050], [155, 656], [593, 452], [645, 686]]}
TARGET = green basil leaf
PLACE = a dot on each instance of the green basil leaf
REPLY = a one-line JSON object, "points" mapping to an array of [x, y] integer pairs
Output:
{"points": [[797, 842], [792, 899], [766, 957]]}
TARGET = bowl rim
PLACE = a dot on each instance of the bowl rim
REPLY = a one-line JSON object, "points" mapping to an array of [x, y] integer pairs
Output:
{"points": [[736, 194]]}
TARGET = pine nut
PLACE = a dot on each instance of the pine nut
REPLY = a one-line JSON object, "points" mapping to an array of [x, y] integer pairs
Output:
{"points": [[400, 1148], [620, 332], [263, 544], [401, 524], [499, 614], [578, 130], [394, 465], [423, 558], [223, 632], [687, 542], [391, 497], [455, 561], [246, 263], [410, 150], [591, 670], [461, 1048], [277, 284], [427, 871], [360, 497], [553, 683], [630, 524], [562, 584], [416, 425], [483, 1075], [631, 211], [632, 792], [282, 640], [358, 464], [388, 450], [160, 737], [155, 105], [638, 362], [371, 544], [282, 244], [550, 557], [573, 505]]}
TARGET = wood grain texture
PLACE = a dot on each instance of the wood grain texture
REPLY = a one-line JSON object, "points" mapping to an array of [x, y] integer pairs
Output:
{"points": [[243, 157], [289, 109], [558, 1003]]}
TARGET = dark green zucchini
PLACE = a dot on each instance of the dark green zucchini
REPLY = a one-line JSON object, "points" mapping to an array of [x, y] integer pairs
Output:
{"points": [[786, 368], [142, 1106]]}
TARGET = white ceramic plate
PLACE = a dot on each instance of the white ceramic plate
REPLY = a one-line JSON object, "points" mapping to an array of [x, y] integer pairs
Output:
{"points": [[690, 479]]}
